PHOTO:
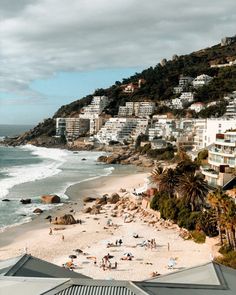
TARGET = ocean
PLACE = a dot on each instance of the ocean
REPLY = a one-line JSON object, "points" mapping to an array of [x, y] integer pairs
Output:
{"points": [[30, 172]]}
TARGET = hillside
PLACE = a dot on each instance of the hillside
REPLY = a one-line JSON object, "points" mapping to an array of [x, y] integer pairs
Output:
{"points": [[158, 87]]}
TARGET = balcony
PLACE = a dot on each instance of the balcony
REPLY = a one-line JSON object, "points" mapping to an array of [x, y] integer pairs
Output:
{"points": [[210, 172], [226, 142], [226, 152]]}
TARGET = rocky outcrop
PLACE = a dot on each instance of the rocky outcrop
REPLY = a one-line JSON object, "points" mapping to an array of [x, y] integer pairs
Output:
{"points": [[38, 211], [127, 157], [114, 198], [25, 201], [66, 219], [89, 199], [50, 199]]}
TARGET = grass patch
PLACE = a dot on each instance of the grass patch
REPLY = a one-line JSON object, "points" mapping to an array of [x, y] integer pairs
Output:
{"points": [[198, 236], [228, 259]]}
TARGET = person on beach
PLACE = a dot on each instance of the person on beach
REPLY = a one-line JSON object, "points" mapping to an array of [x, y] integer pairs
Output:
{"points": [[120, 242], [50, 219], [50, 231], [62, 237]]}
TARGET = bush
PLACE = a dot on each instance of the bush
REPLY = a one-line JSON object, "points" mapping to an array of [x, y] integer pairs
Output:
{"points": [[228, 259], [198, 236], [225, 249]]}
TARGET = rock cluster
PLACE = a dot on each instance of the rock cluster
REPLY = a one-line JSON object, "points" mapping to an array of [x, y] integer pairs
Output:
{"points": [[127, 157], [50, 199]]}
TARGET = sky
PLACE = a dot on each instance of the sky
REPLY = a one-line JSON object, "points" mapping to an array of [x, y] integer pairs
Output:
{"points": [[53, 52]]}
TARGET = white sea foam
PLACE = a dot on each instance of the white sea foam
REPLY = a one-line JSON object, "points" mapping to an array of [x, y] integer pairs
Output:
{"points": [[52, 159]]}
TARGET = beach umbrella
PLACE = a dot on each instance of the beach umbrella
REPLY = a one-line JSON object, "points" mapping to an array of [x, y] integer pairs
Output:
{"points": [[72, 256], [128, 254]]}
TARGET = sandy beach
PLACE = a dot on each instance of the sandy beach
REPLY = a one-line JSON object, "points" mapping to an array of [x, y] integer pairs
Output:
{"points": [[94, 234]]}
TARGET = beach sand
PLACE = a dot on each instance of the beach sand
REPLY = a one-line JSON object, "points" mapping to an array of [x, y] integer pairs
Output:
{"points": [[93, 235]]}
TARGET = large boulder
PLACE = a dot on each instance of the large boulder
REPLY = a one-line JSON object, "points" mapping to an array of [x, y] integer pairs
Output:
{"points": [[89, 199], [95, 210], [25, 201], [66, 219], [102, 200], [87, 210], [114, 198], [38, 211], [50, 199], [102, 159]]}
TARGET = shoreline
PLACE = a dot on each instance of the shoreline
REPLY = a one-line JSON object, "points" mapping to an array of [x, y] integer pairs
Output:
{"points": [[11, 232], [93, 236]]}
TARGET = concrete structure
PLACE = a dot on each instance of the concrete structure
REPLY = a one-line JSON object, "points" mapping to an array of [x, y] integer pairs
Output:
{"points": [[120, 129], [197, 106], [206, 130], [76, 127], [231, 109], [138, 108], [201, 80], [222, 159], [184, 83], [60, 127], [96, 107]]}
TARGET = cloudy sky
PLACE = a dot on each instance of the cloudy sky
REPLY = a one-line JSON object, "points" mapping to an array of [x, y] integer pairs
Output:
{"points": [[55, 51]]}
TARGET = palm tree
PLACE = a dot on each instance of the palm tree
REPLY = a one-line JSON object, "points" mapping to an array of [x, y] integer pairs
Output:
{"points": [[169, 182], [156, 175], [216, 199], [193, 189]]}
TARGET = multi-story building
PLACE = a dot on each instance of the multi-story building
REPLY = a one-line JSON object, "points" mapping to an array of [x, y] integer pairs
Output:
{"points": [[231, 109], [184, 83], [71, 128], [187, 97], [197, 106], [138, 108], [206, 130], [120, 129], [222, 159], [60, 127], [76, 127], [96, 107], [201, 80]]}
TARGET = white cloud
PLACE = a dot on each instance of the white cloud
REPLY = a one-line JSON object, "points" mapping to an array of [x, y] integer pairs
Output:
{"points": [[42, 37]]}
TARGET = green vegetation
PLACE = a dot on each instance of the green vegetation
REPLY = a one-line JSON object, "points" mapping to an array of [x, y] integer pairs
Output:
{"points": [[183, 197], [198, 236]]}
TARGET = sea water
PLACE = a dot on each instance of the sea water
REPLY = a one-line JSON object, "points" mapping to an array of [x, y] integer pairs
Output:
{"points": [[30, 172]]}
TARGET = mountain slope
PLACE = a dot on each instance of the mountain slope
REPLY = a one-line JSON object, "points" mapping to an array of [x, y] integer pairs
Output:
{"points": [[158, 87]]}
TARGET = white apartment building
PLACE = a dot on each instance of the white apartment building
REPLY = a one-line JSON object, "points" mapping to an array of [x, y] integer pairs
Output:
{"points": [[187, 97], [201, 80], [222, 159], [177, 103], [184, 82], [96, 107], [206, 130], [120, 129], [231, 109], [197, 107], [138, 108]]}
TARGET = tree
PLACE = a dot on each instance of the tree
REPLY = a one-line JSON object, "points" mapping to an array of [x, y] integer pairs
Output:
{"points": [[169, 182], [193, 189], [216, 199]]}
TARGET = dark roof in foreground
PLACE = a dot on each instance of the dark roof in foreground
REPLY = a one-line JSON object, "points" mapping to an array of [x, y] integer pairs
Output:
{"points": [[29, 266], [210, 278]]}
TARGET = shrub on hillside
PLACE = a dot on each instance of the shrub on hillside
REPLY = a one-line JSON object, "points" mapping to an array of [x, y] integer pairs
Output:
{"points": [[198, 236]]}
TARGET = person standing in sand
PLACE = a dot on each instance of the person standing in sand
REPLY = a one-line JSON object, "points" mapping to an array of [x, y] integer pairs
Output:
{"points": [[50, 231], [63, 238]]}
